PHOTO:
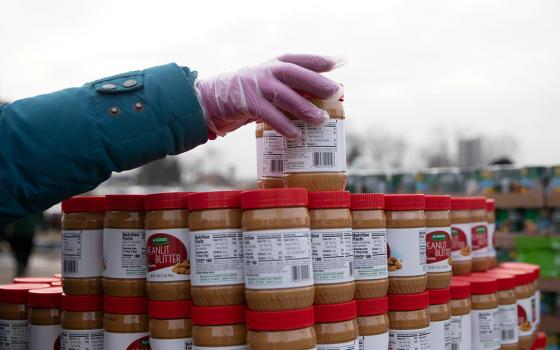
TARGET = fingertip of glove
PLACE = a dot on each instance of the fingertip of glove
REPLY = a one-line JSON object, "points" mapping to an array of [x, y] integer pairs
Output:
{"points": [[321, 119]]}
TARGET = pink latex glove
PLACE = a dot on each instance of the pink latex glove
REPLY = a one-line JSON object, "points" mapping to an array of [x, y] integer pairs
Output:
{"points": [[261, 92]]}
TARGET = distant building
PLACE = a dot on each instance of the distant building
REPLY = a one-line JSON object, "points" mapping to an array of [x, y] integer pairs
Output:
{"points": [[470, 153]]}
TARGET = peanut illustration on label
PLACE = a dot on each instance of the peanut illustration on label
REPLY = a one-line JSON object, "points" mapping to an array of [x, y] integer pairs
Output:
{"points": [[394, 264], [525, 326], [182, 268], [465, 251]]}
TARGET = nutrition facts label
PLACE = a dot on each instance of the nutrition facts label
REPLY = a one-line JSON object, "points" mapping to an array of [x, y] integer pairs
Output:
{"points": [[124, 253], [508, 323], [90, 339], [351, 345], [461, 332], [417, 339], [273, 154], [13, 334], [485, 329], [333, 255], [370, 254], [373, 342], [82, 253], [170, 344]]}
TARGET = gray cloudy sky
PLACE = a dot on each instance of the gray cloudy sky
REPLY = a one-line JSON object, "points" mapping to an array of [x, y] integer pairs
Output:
{"points": [[459, 67]]}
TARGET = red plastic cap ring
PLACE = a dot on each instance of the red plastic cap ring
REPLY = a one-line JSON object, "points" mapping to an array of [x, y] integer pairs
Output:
{"points": [[460, 289], [460, 203], [47, 280], [84, 204], [328, 313], [169, 309], [328, 199], [438, 202], [478, 203], [218, 315], [82, 303], [490, 204], [169, 200], [280, 320], [481, 285], [366, 201], [405, 202], [125, 306], [523, 266], [130, 202], [540, 341], [409, 302], [505, 281], [277, 197], [45, 298], [215, 200], [18, 293], [522, 277], [439, 296], [372, 306]]}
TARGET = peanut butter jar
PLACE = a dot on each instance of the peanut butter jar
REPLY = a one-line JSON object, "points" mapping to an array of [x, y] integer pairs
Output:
{"points": [[317, 160], [438, 241], [13, 314], [170, 325], [82, 226], [440, 319], [259, 127], [406, 243], [373, 323], [272, 158], [336, 326], [44, 318], [332, 249], [540, 341], [124, 246], [281, 330], [409, 321], [277, 249], [126, 323], [82, 322], [168, 275], [217, 248], [461, 238], [536, 304], [460, 314], [370, 245], [491, 219], [219, 327], [479, 233]]}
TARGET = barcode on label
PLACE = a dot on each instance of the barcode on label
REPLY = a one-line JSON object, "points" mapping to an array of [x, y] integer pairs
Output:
{"points": [[508, 334], [70, 266], [454, 346], [276, 165], [300, 273], [323, 159], [351, 266]]}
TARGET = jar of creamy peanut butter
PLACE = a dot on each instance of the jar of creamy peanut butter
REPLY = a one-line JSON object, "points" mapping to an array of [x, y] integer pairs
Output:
{"points": [[461, 238], [277, 249], [281, 330], [438, 241], [373, 323], [409, 321], [217, 248], [479, 232], [332, 249], [317, 160], [370, 245], [168, 275], [170, 325], [124, 246], [336, 326], [259, 127], [82, 226], [82, 322], [44, 318], [272, 158], [219, 328], [406, 243], [440, 319], [126, 323], [536, 304], [540, 342], [460, 315], [491, 219]]}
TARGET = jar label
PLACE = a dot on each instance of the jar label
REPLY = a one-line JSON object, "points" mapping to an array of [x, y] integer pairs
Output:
{"points": [[127, 341], [167, 255], [406, 251], [461, 242], [461, 332], [319, 149], [409, 339], [235, 347], [171, 344], [277, 258], [485, 329], [260, 144], [84, 339], [508, 323], [333, 255], [438, 249], [525, 317], [273, 154], [370, 254], [124, 253], [479, 234], [440, 335], [13, 334], [44, 337], [491, 239], [350, 345], [538, 307], [217, 257], [374, 342], [82, 253]]}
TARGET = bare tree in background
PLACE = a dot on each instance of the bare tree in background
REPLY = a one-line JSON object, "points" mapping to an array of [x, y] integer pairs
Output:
{"points": [[354, 147], [502, 146], [162, 172], [437, 152], [386, 149]]}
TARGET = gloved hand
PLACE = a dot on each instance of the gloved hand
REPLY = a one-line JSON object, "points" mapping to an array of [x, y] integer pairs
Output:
{"points": [[261, 92]]}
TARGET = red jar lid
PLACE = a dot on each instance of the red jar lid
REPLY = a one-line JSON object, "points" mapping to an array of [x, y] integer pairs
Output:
{"points": [[328, 313], [57, 283], [168, 200], [83, 204], [218, 315], [47, 280], [169, 309], [408, 302], [490, 204], [129, 305], [459, 289], [522, 277], [365, 201], [328, 199], [276, 197], [540, 341], [18, 293], [215, 200], [523, 266], [460, 203], [439, 296], [130, 202], [372, 306], [478, 203], [481, 285], [82, 303], [438, 202], [505, 281], [45, 298], [280, 320], [405, 202], [57, 275]]}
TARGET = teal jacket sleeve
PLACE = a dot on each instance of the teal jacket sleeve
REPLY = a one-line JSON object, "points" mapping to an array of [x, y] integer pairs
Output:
{"points": [[65, 143]]}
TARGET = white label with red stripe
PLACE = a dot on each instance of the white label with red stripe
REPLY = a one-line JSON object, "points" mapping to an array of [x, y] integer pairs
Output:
{"points": [[461, 242], [127, 341], [438, 249], [491, 233], [167, 255], [479, 236]]}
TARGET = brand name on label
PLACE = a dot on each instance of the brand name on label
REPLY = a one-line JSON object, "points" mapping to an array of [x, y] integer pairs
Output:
{"points": [[438, 246], [160, 240]]}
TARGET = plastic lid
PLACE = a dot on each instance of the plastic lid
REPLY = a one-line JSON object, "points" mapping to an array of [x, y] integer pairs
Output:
{"points": [[460, 203], [57, 275], [505, 281], [218, 315], [125, 202], [439, 296], [408, 302], [328, 199], [364, 201], [83, 204], [276, 197], [490, 204], [478, 203], [522, 265], [481, 285], [56, 283], [460, 289], [169, 309], [522, 277], [82, 303], [405, 202], [129, 305], [280, 320], [328, 313], [168, 200], [45, 298], [215, 200], [18, 293], [372, 306], [540, 341], [438, 202], [47, 280]]}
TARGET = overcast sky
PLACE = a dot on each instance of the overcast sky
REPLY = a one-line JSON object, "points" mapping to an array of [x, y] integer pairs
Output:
{"points": [[464, 67]]}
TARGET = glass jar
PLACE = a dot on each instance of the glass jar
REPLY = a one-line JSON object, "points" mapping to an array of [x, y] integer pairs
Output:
{"points": [[491, 219], [82, 322], [219, 327], [336, 326], [409, 321], [479, 233], [461, 238], [440, 319], [44, 318], [373, 323], [272, 158], [438, 241], [170, 325], [460, 314], [126, 323]]}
